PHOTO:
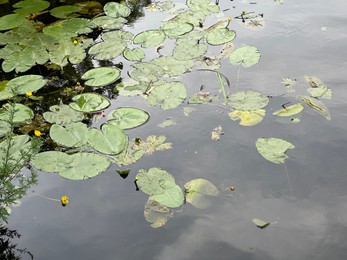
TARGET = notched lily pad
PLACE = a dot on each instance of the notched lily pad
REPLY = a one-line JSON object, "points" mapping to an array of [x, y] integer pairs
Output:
{"points": [[62, 115], [71, 135], [220, 36], [150, 38], [127, 117], [89, 102], [247, 56], [99, 77], [273, 149], [197, 192], [248, 100], [247, 117], [16, 113], [115, 10]]}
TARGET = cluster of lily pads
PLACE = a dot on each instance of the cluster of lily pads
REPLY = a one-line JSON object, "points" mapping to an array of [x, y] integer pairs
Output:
{"points": [[82, 152]]}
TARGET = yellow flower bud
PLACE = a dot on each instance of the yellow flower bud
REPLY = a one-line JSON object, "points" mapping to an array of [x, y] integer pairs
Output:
{"points": [[75, 42], [37, 133], [64, 200], [29, 93], [229, 18]]}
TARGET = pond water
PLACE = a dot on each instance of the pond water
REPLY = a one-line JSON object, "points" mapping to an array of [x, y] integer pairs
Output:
{"points": [[305, 199]]}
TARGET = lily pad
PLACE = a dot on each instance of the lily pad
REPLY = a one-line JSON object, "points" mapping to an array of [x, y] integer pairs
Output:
{"points": [[220, 36], [16, 113], [173, 67], [161, 187], [167, 123], [27, 7], [127, 117], [51, 161], [66, 11], [189, 50], [247, 56], [71, 135], [11, 21], [168, 95], [110, 140], [175, 29], [273, 149], [318, 88], [156, 214], [153, 143], [66, 52], [107, 50], [113, 9], [150, 38], [146, 72], [99, 77], [197, 191], [106, 22], [12, 149], [135, 54], [248, 118], [248, 100], [89, 102], [131, 154], [62, 115], [316, 104], [23, 84], [289, 111]]}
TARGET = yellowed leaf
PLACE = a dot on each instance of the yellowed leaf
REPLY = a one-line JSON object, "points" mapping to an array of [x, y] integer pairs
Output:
{"points": [[247, 118]]}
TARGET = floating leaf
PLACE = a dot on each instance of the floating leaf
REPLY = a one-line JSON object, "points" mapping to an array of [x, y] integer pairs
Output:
{"points": [[161, 6], [153, 143], [69, 28], [260, 223], [150, 38], [174, 29], [66, 11], [136, 54], [188, 110], [161, 187], [167, 94], [131, 154], [127, 117], [273, 149], [318, 89], [71, 135], [317, 105], [156, 214], [11, 21], [27, 7], [146, 72], [216, 133], [89, 102], [107, 50], [248, 100], [66, 52], [173, 67], [189, 50], [16, 113], [110, 140], [123, 173], [166, 123], [289, 111], [106, 22], [202, 97], [205, 7], [197, 190], [99, 77], [247, 56], [220, 36], [115, 10], [51, 161], [247, 118], [62, 115]]}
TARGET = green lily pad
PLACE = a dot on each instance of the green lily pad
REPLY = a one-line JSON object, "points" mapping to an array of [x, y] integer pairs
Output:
{"points": [[89, 102], [62, 115], [150, 38], [11, 21], [66, 52], [71, 135], [51, 161], [197, 191], [110, 140], [220, 36], [168, 95], [99, 77], [189, 50], [107, 50], [156, 214], [289, 111], [161, 187], [109, 23], [27, 7], [175, 29], [153, 143], [247, 56], [146, 72], [5, 128], [130, 154], [247, 117], [161, 6], [248, 100], [273, 149], [127, 117], [173, 67], [135, 54], [205, 7], [316, 105], [318, 89], [260, 223], [117, 37], [66, 11], [115, 10], [16, 113]]}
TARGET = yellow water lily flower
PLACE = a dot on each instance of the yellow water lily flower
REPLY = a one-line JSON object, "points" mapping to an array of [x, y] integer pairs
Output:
{"points": [[29, 94], [75, 42], [64, 200], [37, 133]]}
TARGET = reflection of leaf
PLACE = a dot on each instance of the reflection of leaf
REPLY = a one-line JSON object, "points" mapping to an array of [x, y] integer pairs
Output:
{"points": [[161, 187], [188, 110], [154, 143], [260, 223], [248, 100], [156, 214], [127, 117], [317, 105], [247, 56], [248, 117], [197, 190], [273, 149], [99, 77], [89, 102], [289, 111]]}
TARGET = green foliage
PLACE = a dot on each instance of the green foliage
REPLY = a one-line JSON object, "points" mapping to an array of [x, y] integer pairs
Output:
{"points": [[248, 100], [99, 77], [89, 102], [27, 7], [127, 117], [11, 21], [273, 149], [197, 192], [150, 38], [62, 115], [247, 56], [15, 113]]}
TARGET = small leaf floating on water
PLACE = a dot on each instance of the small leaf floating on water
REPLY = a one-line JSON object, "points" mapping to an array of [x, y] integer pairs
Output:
{"points": [[123, 173], [289, 111], [260, 223], [273, 149], [216, 133], [317, 105]]}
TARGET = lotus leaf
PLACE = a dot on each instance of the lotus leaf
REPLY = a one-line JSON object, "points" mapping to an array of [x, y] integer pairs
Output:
{"points": [[150, 38], [273, 149], [161, 187], [189, 50], [220, 36], [110, 140], [289, 111], [27, 7], [127, 117], [62, 115], [247, 56], [248, 100], [115, 10], [89, 102], [316, 104], [175, 29], [66, 11], [168, 95], [196, 191], [11, 21], [99, 77], [136, 54], [5, 128], [107, 50], [156, 214], [71, 135], [84, 166], [110, 23], [173, 67], [146, 72], [16, 113], [51, 161], [248, 118]]}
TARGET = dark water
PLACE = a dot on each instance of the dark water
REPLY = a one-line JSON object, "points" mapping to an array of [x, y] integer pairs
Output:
{"points": [[305, 199]]}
